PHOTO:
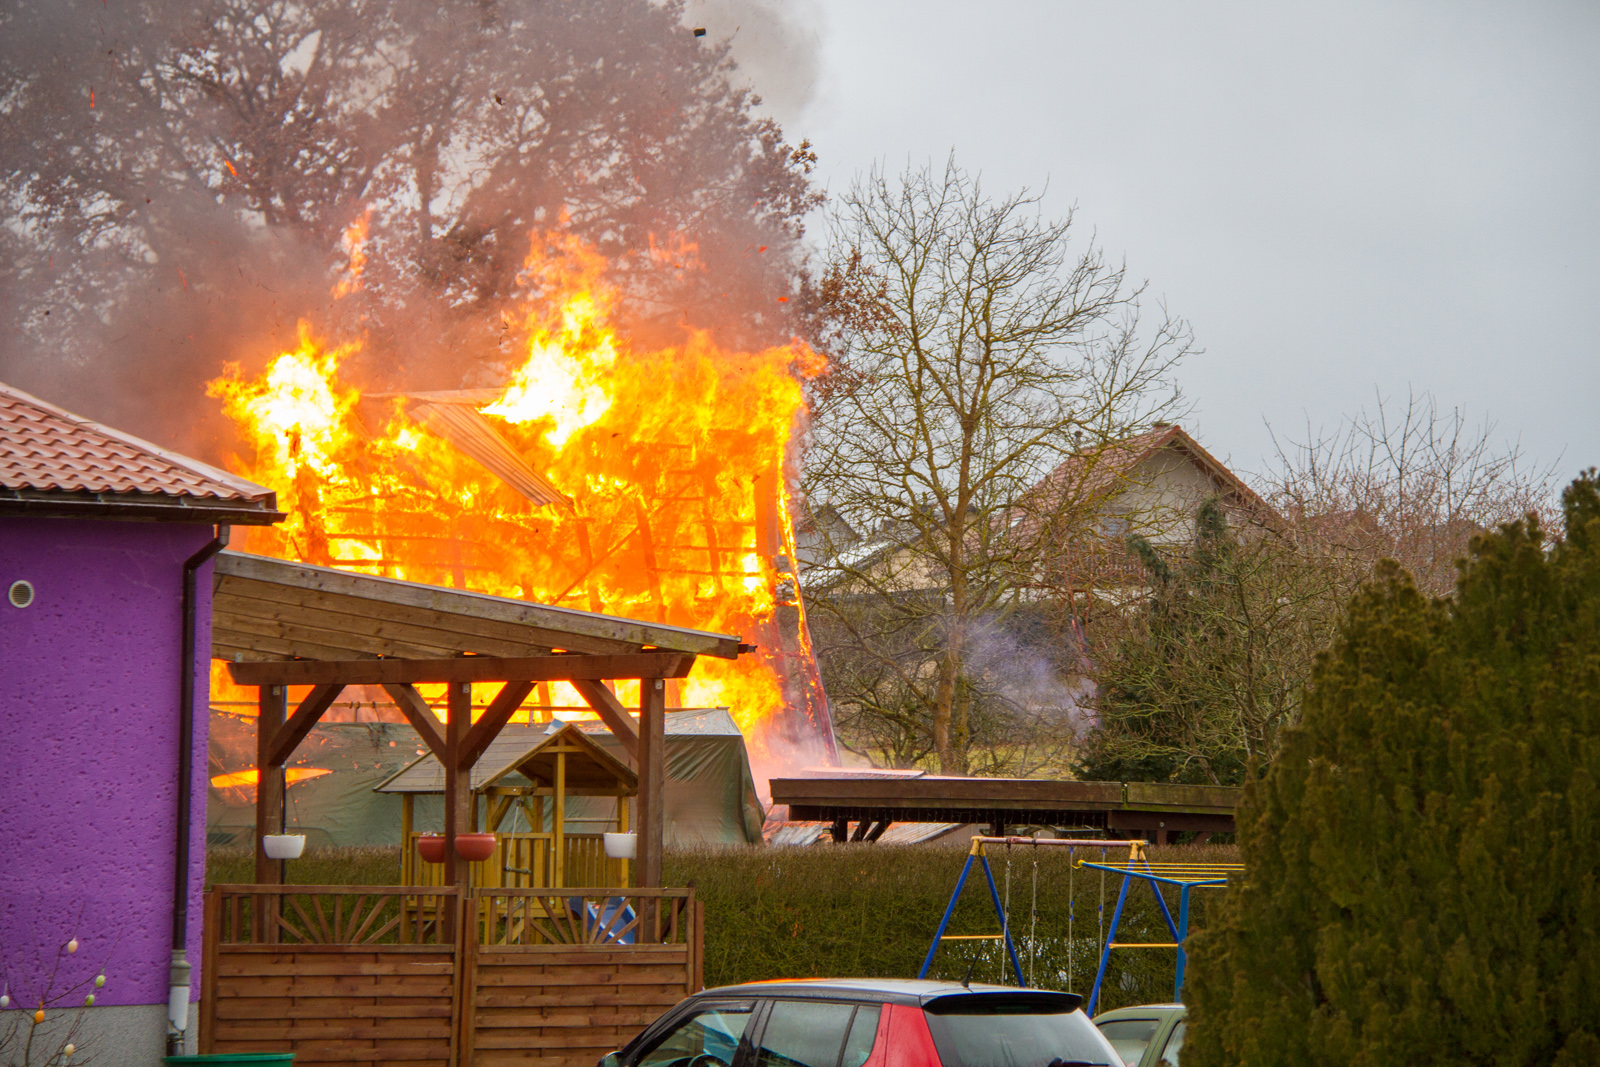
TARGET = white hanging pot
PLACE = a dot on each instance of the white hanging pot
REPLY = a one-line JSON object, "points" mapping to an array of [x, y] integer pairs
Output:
{"points": [[622, 846], [283, 846]]}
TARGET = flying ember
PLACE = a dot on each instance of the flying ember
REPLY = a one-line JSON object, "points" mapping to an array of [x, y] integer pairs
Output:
{"points": [[652, 484]]}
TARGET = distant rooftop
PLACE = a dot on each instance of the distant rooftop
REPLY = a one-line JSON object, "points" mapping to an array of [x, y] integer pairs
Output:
{"points": [[57, 464]]}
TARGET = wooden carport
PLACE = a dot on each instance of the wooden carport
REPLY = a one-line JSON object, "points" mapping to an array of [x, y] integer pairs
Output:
{"points": [[283, 624]]}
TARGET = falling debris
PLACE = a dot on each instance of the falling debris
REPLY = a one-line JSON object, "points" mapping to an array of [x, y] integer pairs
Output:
{"points": [[699, 31]]}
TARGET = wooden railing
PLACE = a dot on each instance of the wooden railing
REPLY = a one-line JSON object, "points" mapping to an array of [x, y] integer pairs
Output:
{"points": [[332, 915], [585, 916]]}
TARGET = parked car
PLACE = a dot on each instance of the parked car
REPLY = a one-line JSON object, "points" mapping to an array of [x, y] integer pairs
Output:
{"points": [[1147, 1036], [870, 1023]]}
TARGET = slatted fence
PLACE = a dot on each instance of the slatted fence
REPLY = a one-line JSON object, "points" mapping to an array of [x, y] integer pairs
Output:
{"points": [[370, 975]]}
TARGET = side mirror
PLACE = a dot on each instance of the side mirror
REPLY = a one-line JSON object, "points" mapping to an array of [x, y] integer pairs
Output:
{"points": [[610, 1059]]}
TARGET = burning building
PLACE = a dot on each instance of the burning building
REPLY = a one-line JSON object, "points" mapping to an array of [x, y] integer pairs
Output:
{"points": [[653, 483]]}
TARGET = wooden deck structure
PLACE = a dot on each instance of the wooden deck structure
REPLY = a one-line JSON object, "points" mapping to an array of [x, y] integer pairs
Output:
{"points": [[284, 624], [451, 974]]}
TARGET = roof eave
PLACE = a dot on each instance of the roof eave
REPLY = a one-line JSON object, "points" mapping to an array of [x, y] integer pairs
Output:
{"points": [[140, 507]]}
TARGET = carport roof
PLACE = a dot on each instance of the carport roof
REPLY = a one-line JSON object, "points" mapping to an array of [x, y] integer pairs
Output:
{"points": [[266, 609]]}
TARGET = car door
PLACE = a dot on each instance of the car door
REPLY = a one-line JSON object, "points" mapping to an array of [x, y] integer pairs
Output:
{"points": [[815, 1033]]}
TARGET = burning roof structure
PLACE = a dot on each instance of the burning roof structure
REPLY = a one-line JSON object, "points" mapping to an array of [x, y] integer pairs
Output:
{"points": [[652, 484]]}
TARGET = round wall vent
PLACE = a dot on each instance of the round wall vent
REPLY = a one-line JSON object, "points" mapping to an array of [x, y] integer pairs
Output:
{"points": [[20, 594]]}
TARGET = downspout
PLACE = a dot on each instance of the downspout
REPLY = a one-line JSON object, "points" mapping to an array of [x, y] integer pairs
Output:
{"points": [[178, 983]]}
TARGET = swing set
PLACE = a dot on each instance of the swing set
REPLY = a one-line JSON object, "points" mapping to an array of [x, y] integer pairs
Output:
{"points": [[1185, 876]]}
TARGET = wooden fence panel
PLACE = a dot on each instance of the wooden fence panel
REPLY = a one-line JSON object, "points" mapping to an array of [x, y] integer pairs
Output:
{"points": [[335, 975], [559, 980], [370, 976]]}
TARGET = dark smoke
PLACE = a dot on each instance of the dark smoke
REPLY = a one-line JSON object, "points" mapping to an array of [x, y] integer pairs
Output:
{"points": [[176, 179]]}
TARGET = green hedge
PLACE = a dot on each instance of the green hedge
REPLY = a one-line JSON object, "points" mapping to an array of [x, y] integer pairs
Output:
{"points": [[871, 911]]}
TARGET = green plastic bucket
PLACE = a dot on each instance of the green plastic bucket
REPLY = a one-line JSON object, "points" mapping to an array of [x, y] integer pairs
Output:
{"points": [[234, 1057]]}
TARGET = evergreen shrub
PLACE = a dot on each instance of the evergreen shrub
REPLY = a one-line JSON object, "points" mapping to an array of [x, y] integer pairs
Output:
{"points": [[1422, 857]]}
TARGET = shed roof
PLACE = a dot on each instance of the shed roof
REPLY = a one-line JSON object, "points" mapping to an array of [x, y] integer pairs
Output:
{"points": [[527, 751], [57, 464], [271, 609]]}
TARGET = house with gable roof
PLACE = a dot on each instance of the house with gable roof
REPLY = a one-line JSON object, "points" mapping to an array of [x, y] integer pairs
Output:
{"points": [[105, 549]]}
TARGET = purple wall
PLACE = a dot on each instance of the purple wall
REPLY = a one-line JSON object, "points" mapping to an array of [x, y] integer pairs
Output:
{"points": [[88, 750]]}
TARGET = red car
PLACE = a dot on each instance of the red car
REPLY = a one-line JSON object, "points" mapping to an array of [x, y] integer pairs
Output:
{"points": [[867, 1022]]}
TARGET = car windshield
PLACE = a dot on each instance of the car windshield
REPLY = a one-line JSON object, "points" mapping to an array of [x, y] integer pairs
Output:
{"points": [[1130, 1037], [1019, 1030]]}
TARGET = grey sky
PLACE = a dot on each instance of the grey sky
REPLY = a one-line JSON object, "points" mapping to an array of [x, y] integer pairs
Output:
{"points": [[1341, 198]]}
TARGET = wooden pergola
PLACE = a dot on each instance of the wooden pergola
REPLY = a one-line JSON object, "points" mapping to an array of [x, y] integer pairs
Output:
{"points": [[283, 624]]}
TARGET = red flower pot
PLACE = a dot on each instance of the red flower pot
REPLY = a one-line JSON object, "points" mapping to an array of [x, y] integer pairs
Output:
{"points": [[474, 846], [431, 847]]}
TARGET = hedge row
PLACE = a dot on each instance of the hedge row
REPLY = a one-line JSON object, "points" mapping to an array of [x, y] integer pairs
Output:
{"points": [[871, 911]]}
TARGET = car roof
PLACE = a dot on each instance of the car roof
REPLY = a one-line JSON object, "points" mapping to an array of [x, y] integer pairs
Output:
{"points": [[1140, 1011], [890, 990]]}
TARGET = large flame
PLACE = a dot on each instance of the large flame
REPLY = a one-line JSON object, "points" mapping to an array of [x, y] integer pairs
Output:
{"points": [[674, 464]]}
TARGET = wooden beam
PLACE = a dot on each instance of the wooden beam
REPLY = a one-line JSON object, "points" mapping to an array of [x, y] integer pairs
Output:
{"points": [[385, 672], [291, 733], [611, 712], [652, 776], [420, 716], [273, 703], [457, 783], [489, 724]]}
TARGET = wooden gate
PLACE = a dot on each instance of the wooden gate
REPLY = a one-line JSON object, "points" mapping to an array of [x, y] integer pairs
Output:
{"points": [[369, 975]]}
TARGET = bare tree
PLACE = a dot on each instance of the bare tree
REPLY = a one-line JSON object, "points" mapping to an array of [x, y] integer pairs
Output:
{"points": [[1406, 482], [977, 349]]}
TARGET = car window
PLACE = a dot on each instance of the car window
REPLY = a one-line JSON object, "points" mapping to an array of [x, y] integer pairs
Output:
{"points": [[863, 1032], [1169, 1055], [1130, 1037], [805, 1033], [714, 1032], [1018, 1031]]}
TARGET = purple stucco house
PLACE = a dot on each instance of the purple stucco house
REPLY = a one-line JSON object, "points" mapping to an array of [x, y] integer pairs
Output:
{"points": [[105, 594]]}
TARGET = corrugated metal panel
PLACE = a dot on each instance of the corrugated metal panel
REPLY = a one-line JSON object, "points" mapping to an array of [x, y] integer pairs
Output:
{"points": [[475, 436]]}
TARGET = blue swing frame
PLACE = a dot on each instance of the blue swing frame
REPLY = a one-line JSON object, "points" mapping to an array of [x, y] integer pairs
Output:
{"points": [[999, 910], [1178, 928]]}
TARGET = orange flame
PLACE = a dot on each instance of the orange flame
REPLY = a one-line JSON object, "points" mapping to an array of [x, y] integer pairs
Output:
{"points": [[669, 469]]}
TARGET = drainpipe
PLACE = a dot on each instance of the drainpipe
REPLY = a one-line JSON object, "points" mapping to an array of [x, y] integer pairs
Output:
{"points": [[178, 991]]}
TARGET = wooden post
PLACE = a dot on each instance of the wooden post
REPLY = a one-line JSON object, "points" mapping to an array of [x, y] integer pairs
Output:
{"points": [[558, 825], [457, 784], [273, 704], [652, 774], [408, 809]]}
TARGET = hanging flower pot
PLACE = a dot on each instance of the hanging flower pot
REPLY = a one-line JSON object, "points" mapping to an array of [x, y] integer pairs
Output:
{"points": [[431, 848], [474, 846], [283, 846], [622, 846]]}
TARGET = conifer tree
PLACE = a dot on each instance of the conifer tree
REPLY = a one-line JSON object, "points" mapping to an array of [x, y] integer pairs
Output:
{"points": [[1423, 858]]}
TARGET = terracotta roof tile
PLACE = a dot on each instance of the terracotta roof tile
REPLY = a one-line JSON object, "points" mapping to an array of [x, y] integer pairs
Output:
{"points": [[46, 449]]}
